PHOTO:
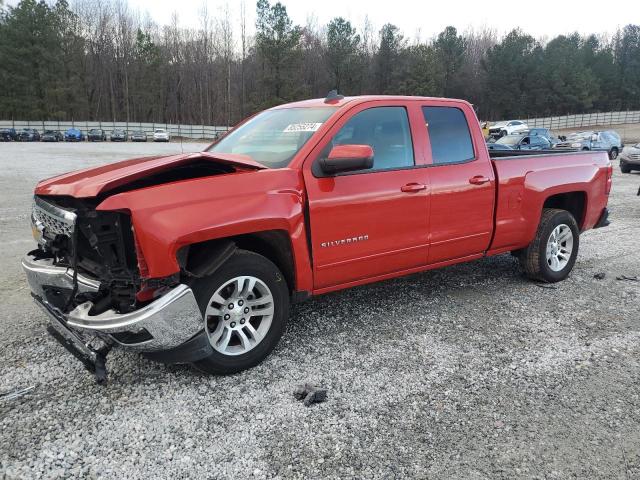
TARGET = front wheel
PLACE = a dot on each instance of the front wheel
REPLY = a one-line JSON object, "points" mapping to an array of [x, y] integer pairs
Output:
{"points": [[624, 169], [245, 306], [552, 253]]}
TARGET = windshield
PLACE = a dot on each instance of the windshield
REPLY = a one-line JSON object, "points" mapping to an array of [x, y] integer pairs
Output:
{"points": [[273, 137], [510, 140]]}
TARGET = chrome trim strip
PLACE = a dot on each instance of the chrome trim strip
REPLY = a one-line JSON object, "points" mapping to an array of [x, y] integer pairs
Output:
{"points": [[63, 215], [43, 272], [171, 320], [51, 219]]}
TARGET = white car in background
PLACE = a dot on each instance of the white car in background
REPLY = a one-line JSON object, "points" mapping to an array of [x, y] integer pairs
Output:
{"points": [[508, 127], [161, 135]]}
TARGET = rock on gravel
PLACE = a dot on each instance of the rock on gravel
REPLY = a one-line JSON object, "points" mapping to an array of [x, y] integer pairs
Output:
{"points": [[466, 372]]}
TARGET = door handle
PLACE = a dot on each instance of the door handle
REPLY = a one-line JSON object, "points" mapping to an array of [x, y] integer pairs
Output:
{"points": [[478, 180], [413, 187]]}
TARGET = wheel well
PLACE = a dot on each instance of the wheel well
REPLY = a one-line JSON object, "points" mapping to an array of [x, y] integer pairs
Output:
{"points": [[209, 255], [572, 202]]}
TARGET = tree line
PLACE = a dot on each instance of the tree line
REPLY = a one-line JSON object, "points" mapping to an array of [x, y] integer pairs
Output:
{"points": [[101, 61]]}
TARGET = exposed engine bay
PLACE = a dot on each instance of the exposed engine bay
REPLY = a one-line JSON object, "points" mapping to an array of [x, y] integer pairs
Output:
{"points": [[96, 244], [101, 245]]}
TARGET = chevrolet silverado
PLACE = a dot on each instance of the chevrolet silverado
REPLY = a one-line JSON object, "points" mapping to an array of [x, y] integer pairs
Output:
{"points": [[195, 258]]}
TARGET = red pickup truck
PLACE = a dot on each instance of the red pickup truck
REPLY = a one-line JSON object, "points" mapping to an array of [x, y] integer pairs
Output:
{"points": [[195, 258]]}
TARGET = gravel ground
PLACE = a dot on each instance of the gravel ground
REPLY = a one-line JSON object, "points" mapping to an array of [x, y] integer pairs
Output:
{"points": [[466, 372]]}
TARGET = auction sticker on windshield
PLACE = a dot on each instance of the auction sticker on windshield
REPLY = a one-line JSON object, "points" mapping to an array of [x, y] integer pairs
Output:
{"points": [[302, 127]]}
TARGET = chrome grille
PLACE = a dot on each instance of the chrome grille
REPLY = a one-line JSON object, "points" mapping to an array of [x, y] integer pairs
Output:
{"points": [[52, 219], [635, 156]]}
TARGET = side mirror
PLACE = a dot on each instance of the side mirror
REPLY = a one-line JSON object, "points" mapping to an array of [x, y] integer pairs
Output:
{"points": [[347, 158]]}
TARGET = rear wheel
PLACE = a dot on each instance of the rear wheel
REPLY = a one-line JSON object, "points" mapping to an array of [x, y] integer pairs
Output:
{"points": [[613, 154], [552, 253], [245, 306]]}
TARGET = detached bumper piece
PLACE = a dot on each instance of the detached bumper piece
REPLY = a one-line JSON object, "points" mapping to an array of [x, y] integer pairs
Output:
{"points": [[94, 360], [163, 324], [166, 329]]}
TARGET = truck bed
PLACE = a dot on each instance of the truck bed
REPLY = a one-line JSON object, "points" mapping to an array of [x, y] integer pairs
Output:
{"points": [[526, 180]]}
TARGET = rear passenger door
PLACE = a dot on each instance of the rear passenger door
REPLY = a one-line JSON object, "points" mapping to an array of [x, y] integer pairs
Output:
{"points": [[462, 184]]}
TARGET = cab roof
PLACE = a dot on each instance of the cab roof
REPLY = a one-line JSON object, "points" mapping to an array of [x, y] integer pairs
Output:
{"points": [[340, 102]]}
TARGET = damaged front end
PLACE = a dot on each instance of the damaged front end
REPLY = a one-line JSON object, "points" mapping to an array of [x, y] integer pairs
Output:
{"points": [[88, 275]]}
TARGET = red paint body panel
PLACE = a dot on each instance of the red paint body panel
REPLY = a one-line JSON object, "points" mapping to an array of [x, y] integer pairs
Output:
{"points": [[389, 226], [91, 182], [361, 227], [169, 216], [526, 182]]}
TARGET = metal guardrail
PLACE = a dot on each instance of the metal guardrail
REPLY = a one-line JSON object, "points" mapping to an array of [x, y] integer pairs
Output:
{"points": [[175, 130], [585, 120]]}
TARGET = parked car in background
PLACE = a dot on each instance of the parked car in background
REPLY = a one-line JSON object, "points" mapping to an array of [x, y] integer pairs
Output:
{"points": [[161, 135], [8, 135], [96, 135], [29, 135], [138, 136], [520, 142], [73, 135], [509, 127], [543, 132], [606, 140], [119, 136], [630, 158], [52, 136]]}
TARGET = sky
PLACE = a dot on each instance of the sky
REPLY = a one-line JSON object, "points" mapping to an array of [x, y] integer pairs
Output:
{"points": [[420, 19], [424, 19]]}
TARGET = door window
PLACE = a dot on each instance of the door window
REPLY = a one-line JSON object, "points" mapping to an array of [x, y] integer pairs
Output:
{"points": [[449, 135], [386, 130]]}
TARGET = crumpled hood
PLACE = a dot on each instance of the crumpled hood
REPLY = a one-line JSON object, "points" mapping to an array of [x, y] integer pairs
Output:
{"points": [[94, 181]]}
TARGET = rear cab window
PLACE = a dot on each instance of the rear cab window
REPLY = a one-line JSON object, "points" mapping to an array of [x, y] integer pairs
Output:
{"points": [[449, 135]]}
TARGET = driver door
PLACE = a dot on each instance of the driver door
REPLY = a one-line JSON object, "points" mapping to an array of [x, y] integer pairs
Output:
{"points": [[369, 223]]}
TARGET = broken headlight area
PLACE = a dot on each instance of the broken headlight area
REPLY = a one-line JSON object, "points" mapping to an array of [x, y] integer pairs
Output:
{"points": [[96, 246]]}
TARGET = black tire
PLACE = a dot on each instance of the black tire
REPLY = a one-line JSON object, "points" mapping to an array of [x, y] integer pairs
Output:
{"points": [[613, 154], [503, 133], [533, 259], [243, 263], [625, 169]]}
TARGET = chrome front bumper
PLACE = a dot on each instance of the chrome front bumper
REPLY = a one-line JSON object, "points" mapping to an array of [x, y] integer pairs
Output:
{"points": [[164, 324]]}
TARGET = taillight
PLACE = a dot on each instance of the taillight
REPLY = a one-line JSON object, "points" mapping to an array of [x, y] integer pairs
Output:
{"points": [[607, 188]]}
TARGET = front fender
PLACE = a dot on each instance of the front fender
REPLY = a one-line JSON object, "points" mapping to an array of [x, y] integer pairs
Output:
{"points": [[169, 216]]}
